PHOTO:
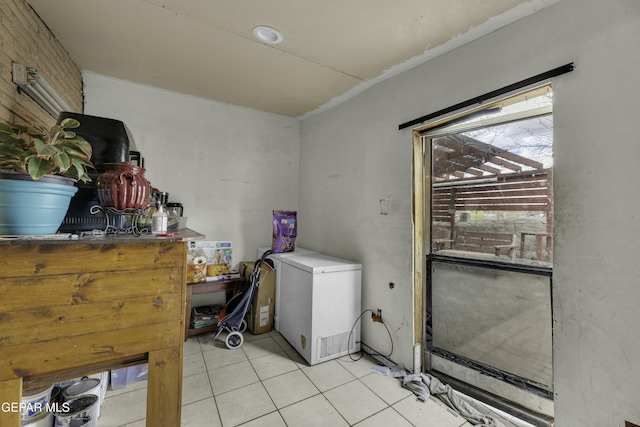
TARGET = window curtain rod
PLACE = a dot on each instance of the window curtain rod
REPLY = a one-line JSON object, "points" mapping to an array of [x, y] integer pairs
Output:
{"points": [[489, 95]]}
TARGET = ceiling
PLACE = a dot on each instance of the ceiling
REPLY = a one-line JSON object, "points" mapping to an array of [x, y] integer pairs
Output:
{"points": [[332, 49]]}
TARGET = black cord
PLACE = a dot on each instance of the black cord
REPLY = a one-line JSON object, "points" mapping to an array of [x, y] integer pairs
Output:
{"points": [[362, 352], [351, 331], [386, 356]]}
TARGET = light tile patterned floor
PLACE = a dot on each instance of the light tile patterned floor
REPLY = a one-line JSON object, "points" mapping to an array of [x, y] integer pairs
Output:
{"points": [[266, 383]]}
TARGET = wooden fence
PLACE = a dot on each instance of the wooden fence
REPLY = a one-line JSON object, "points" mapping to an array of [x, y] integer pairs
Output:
{"points": [[516, 192]]}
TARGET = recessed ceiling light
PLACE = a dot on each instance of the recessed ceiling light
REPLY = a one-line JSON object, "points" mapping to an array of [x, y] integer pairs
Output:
{"points": [[267, 34]]}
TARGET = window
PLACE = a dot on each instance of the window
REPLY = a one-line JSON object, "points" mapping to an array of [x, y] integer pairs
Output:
{"points": [[491, 177]]}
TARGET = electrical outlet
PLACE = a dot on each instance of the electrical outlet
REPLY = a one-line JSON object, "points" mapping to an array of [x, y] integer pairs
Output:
{"points": [[377, 316]]}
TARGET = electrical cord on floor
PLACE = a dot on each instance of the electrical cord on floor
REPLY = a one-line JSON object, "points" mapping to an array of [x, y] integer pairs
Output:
{"points": [[361, 352]]}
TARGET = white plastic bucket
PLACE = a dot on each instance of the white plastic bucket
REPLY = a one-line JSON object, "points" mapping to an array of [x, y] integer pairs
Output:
{"points": [[86, 386], [43, 420], [81, 411], [104, 384], [102, 376], [63, 384], [34, 403]]}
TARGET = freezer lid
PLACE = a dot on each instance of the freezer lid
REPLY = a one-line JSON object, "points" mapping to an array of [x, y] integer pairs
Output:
{"points": [[320, 263], [297, 251]]}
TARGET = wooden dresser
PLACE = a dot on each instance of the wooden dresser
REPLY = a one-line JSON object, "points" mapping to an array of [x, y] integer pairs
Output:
{"points": [[70, 308]]}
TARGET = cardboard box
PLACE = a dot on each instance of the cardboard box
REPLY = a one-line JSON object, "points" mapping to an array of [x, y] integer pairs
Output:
{"points": [[218, 254], [260, 318]]}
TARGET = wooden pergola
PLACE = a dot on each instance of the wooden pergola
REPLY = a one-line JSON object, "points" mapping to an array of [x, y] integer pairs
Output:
{"points": [[469, 175]]}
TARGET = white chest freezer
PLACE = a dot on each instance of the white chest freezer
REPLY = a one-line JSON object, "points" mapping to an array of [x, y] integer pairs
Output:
{"points": [[319, 305], [276, 265]]}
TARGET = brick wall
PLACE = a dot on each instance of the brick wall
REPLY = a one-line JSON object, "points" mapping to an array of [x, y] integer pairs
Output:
{"points": [[25, 39]]}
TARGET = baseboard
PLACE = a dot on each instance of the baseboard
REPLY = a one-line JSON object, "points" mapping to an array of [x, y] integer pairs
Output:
{"points": [[377, 356]]}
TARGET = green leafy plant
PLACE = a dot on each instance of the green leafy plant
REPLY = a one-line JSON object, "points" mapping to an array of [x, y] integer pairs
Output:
{"points": [[38, 150]]}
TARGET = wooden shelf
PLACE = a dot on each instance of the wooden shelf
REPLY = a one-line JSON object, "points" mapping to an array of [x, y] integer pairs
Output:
{"points": [[230, 286], [197, 331]]}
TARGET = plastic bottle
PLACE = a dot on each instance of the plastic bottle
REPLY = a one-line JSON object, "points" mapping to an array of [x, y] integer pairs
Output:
{"points": [[159, 221]]}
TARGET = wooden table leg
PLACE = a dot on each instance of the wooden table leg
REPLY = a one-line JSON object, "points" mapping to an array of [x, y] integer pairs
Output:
{"points": [[10, 398], [549, 247], [164, 392], [539, 246], [187, 314]]}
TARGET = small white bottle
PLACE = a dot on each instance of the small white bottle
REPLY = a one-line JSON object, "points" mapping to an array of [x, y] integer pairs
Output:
{"points": [[159, 221]]}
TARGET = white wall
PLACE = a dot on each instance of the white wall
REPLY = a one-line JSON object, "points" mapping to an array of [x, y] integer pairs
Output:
{"points": [[353, 155], [229, 166]]}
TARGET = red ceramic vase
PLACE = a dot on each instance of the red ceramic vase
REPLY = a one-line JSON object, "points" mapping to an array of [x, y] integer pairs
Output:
{"points": [[123, 186]]}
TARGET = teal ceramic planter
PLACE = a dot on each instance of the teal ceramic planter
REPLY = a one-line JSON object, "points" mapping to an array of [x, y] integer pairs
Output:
{"points": [[30, 207]]}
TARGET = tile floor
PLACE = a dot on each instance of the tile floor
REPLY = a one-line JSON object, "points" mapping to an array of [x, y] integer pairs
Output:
{"points": [[266, 383]]}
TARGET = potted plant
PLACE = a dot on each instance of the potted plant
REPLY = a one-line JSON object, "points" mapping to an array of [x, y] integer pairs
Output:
{"points": [[39, 166]]}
